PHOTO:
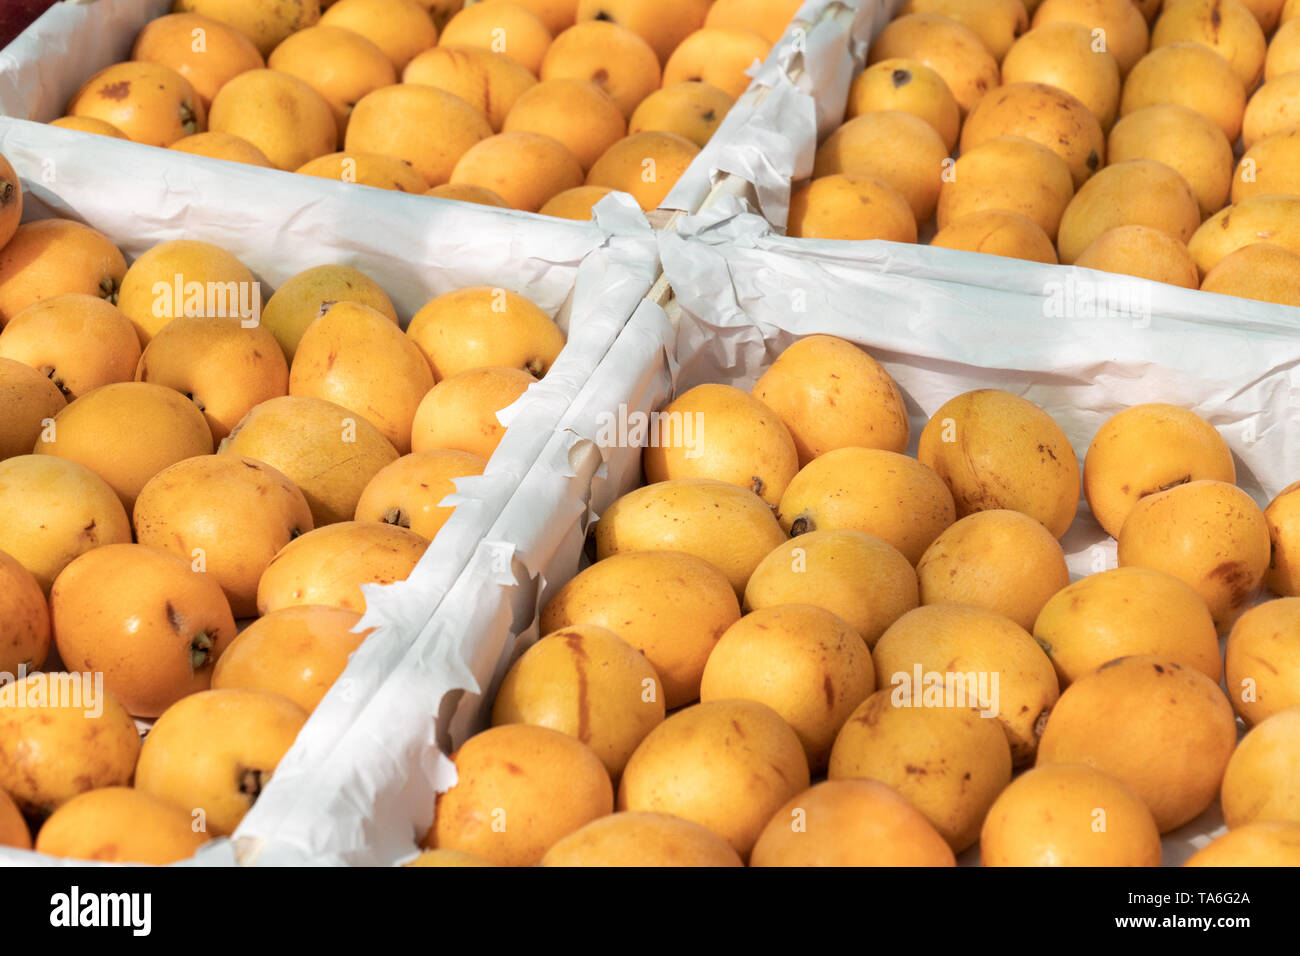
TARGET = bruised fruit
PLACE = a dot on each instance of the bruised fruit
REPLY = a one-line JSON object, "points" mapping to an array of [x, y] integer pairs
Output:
{"points": [[460, 413], [430, 129], [587, 682], [1283, 517], [186, 277], [1275, 106], [1276, 218], [895, 147], [613, 57], [1165, 730], [51, 257], [222, 365], [228, 516], [863, 580], [1142, 252], [642, 839], [1065, 55], [126, 433], [692, 109], [718, 431], [329, 565], [225, 146], [1269, 167], [1126, 611], [1012, 174], [576, 113], [1225, 26], [663, 24], [1184, 140], [61, 735], [24, 618], [997, 450], [850, 823], [879, 492], [1146, 449], [804, 662], [725, 764], [1260, 271], [910, 86], [296, 651], [151, 104], [952, 50], [207, 52], [948, 762], [328, 452], [31, 402], [718, 56], [525, 169], [52, 510], [265, 22], [426, 127], [216, 750], [645, 165], [1069, 815], [850, 207], [278, 113], [1044, 114], [1140, 192], [490, 82], [307, 296], [1254, 844], [11, 201], [996, 232], [832, 394], [1262, 663], [1001, 560], [340, 65], [399, 28], [957, 655], [996, 22], [356, 358], [485, 326], [121, 825], [502, 27], [670, 606], [542, 784], [366, 169], [728, 526], [1191, 75], [1259, 785], [410, 491], [149, 621], [1208, 533]]}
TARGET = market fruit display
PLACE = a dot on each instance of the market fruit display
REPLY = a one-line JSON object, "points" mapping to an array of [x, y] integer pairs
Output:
{"points": [[1175, 122], [977, 702], [179, 482], [525, 102]]}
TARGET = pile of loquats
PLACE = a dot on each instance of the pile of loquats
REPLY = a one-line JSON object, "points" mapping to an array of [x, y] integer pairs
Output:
{"points": [[537, 105], [1129, 137], [165, 474], [798, 645]]}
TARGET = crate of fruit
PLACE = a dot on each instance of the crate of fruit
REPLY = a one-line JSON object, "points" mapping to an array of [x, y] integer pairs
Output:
{"points": [[879, 516], [535, 105], [290, 404]]}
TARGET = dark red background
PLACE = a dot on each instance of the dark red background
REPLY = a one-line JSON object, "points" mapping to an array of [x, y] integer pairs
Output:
{"points": [[15, 15]]}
